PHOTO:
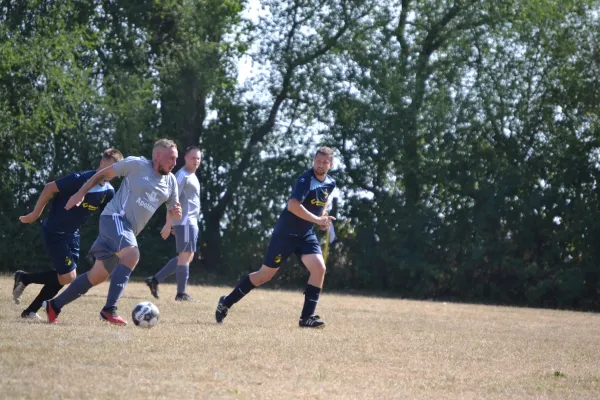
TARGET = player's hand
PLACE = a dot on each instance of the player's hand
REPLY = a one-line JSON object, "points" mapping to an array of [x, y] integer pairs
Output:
{"points": [[29, 218], [166, 231], [325, 221], [74, 201], [325, 227], [176, 211]]}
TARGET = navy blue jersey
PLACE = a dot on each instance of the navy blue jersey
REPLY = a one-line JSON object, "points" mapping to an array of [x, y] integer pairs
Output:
{"points": [[313, 195], [61, 220]]}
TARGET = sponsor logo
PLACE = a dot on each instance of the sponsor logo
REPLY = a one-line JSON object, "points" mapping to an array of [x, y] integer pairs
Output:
{"points": [[90, 207], [277, 259], [318, 203], [68, 261], [151, 202], [152, 197]]}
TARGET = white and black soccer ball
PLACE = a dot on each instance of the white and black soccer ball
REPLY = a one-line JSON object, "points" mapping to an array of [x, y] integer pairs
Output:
{"points": [[145, 315]]}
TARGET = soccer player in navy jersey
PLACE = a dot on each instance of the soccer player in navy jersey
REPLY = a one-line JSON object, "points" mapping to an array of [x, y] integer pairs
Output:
{"points": [[294, 233], [60, 231]]}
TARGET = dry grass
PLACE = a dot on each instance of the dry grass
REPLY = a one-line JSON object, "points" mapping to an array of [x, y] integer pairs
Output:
{"points": [[372, 348]]}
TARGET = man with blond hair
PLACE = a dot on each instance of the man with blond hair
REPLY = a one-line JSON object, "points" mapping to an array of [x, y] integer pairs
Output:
{"points": [[60, 231], [294, 233], [146, 185]]}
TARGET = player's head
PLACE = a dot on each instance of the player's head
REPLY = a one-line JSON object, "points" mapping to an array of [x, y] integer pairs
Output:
{"points": [[193, 156], [164, 156], [109, 157], [323, 161]]}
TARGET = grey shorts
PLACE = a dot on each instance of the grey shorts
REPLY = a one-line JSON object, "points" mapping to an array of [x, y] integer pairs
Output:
{"points": [[186, 237], [115, 234]]}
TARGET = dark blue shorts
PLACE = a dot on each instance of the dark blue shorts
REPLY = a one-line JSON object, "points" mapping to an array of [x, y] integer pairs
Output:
{"points": [[63, 249], [281, 246]]}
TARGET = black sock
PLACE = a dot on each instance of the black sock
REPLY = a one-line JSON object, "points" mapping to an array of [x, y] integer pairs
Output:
{"points": [[311, 298], [41, 278], [242, 289], [48, 292]]}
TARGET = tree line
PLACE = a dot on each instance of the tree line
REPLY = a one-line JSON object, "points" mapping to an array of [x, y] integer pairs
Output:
{"points": [[466, 132]]}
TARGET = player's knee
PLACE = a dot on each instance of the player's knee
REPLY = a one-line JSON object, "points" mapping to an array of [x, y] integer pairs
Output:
{"points": [[319, 269], [260, 280], [264, 275], [99, 273], [260, 277], [65, 279], [265, 278], [185, 258], [129, 256]]}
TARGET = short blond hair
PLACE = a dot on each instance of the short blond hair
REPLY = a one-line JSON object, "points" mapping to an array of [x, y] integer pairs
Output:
{"points": [[163, 144], [112, 154]]}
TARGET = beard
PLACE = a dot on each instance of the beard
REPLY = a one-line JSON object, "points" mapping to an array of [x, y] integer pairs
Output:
{"points": [[164, 171], [320, 171]]}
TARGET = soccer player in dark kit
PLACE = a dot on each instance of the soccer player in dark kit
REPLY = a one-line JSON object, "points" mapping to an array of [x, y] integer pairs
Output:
{"points": [[294, 233], [60, 231]]}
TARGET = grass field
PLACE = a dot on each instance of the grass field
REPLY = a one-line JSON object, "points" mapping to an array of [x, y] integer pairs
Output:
{"points": [[372, 348]]}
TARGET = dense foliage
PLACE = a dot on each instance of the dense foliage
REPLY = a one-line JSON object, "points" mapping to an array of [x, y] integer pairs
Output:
{"points": [[467, 132]]}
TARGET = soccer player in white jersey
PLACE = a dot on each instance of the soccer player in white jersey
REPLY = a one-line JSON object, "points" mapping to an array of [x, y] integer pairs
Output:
{"points": [[146, 185], [185, 230]]}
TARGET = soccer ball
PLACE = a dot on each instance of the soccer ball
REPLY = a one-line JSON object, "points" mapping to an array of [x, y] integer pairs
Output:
{"points": [[145, 315]]}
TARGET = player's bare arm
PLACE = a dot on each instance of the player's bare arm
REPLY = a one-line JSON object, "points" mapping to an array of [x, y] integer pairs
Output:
{"points": [[166, 230], [49, 190], [103, 175], [296, 208]]}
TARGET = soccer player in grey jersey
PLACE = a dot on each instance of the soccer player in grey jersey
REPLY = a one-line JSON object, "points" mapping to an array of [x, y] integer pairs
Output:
{"points": [[146, 185], [185, 230]]}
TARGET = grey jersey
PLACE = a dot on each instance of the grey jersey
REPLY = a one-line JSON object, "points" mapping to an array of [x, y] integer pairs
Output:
{"points": [[142, 191], [189, 197]]}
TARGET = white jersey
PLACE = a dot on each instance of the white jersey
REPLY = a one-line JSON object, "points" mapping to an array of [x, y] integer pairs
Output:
{"points": [[141, 193], [189, 197]]}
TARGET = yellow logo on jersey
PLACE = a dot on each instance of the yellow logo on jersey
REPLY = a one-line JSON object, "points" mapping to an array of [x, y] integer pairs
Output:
{"points": [[325, 194], [318, 203], [103, 198], [277, 259], [68, 261], [89, 206]]}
